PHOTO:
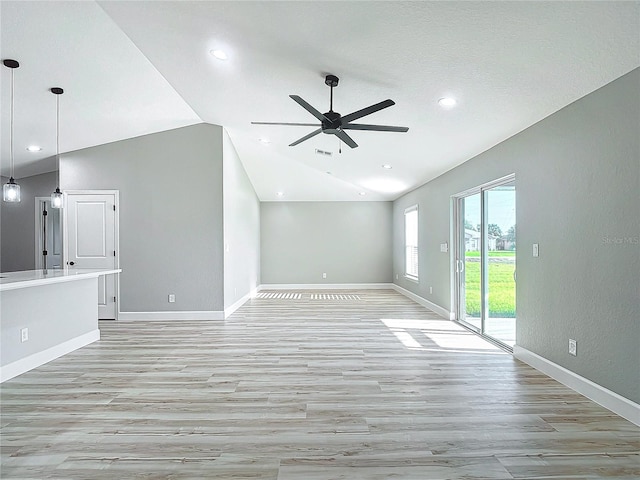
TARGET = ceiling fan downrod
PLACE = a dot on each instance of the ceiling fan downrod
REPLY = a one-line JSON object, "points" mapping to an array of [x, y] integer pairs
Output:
{"points": [[332, 81]]}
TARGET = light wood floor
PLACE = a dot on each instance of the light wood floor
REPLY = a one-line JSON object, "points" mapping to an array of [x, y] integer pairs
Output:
{"points": [[365, 387]]}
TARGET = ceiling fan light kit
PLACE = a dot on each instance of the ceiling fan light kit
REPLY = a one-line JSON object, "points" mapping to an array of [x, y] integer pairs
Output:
{"points": [[332, 123]]}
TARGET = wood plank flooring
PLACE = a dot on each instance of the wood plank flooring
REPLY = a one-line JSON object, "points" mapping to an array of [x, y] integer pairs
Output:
{"points": [[369, 386]]}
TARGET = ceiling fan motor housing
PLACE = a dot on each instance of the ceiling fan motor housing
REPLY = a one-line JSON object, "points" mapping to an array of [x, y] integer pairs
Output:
{"points": [[333, 124]]}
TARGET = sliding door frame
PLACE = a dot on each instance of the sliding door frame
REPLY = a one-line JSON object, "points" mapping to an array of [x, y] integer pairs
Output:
{"points": [[459, 248]]}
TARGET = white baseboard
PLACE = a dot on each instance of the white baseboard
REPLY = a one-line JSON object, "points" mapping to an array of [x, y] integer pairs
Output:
{"points": [[229, 310], [443, 312], [325, 286], [23, 365], [608, 399], [172, 315]]}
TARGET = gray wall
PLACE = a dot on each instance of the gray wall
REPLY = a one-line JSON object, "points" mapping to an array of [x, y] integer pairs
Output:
{"points": [[241, 228], [578, 194], [18, 224], [168, 243], [350, 241]]}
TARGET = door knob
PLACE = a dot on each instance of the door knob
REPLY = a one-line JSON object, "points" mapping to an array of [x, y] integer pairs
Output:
{"points": [[71, 263]]}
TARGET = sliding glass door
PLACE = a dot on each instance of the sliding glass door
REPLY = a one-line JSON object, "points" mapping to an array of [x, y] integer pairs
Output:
{"points": [[486, 260], [468, 264], [500, 253]]}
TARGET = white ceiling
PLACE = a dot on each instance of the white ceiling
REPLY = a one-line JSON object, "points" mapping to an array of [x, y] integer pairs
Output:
{"points": [[132, 68]]}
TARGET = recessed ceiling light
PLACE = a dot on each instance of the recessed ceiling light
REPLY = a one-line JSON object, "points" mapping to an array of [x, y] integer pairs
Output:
{"points": [[265, 141], [34, 148], [280, 194], [362, 194], [447, 102], [387, 166], [219, 54]]}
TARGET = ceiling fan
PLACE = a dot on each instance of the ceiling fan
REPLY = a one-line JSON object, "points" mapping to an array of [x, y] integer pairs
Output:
{"points": [[333, 123]]}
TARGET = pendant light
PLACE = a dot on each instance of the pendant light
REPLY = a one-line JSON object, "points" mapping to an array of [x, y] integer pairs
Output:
{"points": [[56, 196], [11, 190]]}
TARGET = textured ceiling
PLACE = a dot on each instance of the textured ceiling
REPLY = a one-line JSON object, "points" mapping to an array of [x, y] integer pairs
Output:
{"points": [[131, 68]]}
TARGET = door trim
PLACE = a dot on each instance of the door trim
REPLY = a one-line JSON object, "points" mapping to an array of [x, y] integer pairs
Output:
{"points": [[38, 234], [116, 227]]}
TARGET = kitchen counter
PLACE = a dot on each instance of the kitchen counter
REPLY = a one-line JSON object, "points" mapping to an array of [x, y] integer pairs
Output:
{"points": [[31, 278], [45, 315]]}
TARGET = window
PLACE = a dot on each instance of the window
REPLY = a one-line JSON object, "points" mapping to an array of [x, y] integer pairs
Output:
{"points": [[411, 242]]}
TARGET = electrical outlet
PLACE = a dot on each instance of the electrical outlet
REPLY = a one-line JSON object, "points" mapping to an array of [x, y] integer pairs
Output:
{"points": [[24, 335], [324, 275], [573, 347], [172, 298], [396, 276], [536, 251], [431, 290]]}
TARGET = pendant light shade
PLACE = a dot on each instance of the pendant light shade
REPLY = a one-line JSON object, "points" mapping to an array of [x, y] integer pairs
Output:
{"points": [[56, 196], [11, 190]]}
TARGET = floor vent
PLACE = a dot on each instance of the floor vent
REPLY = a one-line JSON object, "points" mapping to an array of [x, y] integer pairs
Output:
{"points": [[334, 296], [280, 295]]}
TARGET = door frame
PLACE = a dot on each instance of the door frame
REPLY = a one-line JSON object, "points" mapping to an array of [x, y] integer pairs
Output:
{"points": [[116, 228], [38, 234], [458, 243]]}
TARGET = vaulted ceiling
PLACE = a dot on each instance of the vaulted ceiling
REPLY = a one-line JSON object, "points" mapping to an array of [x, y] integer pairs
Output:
{"points": [[133, 68]]}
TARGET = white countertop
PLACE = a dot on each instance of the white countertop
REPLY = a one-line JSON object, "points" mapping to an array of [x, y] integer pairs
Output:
{"points": [[33, 278]]}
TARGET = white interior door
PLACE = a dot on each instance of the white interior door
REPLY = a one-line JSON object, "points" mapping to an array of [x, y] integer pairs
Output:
{"points": [[91, 242]]}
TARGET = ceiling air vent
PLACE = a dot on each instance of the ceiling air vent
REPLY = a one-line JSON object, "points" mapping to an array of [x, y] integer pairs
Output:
{"points": [[323, 152]]}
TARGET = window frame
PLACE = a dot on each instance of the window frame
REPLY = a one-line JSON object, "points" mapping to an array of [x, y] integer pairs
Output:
{"points": [[410, 275]]}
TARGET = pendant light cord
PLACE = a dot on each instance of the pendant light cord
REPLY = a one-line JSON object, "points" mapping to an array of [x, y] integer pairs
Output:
{"points": [[57, 91], [58, 136], [11, 132]]}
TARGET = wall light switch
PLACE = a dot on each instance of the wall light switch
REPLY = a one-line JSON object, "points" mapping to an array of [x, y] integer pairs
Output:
{"points": [[535, 250], [24, 334], [324, 275], [172, 298], [444, 247]]}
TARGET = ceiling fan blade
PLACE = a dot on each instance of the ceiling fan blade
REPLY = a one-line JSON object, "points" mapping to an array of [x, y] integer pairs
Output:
{"points": [[367, 111], [378, 128], [345, 138], [306, 137], [291, 124], [309, 108]]}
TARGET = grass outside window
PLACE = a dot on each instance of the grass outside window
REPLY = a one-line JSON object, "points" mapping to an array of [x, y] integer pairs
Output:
{"points": [[502, 301]]}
